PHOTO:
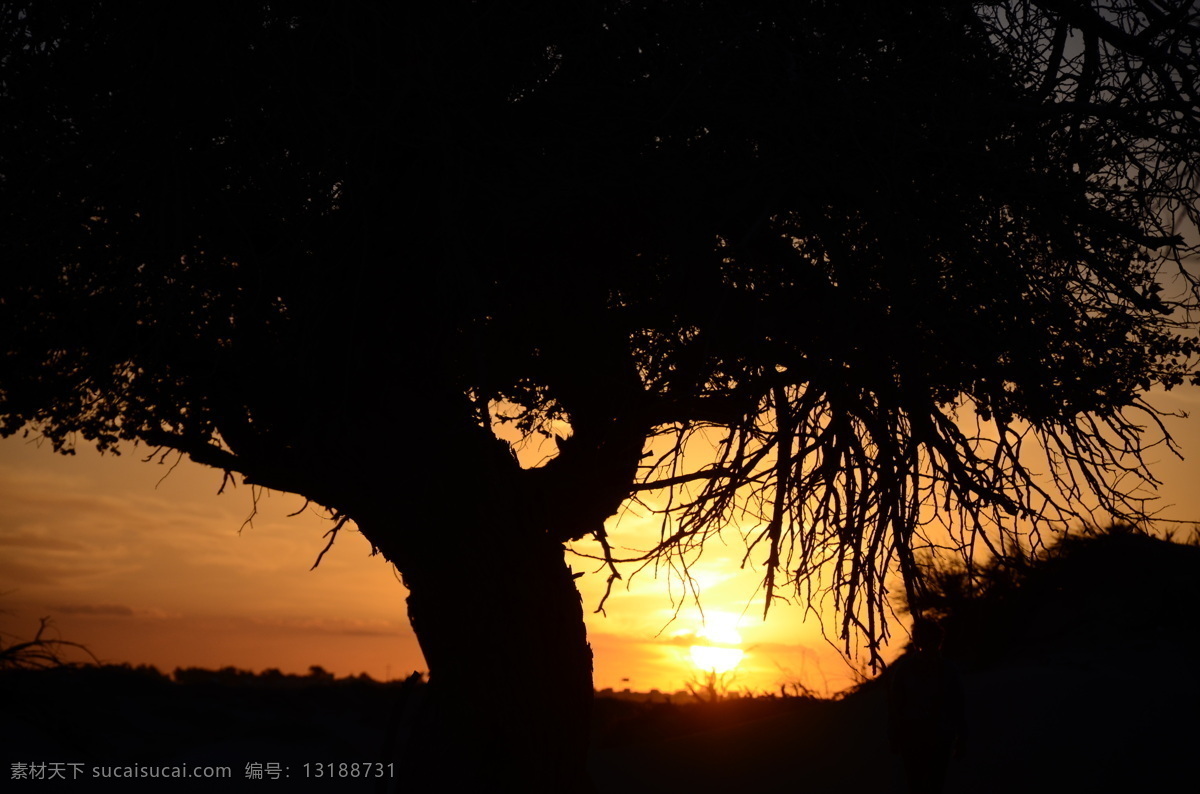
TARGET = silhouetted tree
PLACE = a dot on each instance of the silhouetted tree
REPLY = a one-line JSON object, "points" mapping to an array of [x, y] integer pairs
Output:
{"points": [[866, 252], [1065, 595]]}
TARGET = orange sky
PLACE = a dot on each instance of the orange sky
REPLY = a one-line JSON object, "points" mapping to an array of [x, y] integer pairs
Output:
{"points": [[147, 569]]}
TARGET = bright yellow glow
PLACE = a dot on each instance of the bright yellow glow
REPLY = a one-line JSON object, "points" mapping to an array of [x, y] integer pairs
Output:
{"points": [[720, 628], [719, 654], [716, 660]]}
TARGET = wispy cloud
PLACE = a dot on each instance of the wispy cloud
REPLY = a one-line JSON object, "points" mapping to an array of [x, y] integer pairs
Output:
{"points": [[29, 541], [349, 627], [119, 610]]}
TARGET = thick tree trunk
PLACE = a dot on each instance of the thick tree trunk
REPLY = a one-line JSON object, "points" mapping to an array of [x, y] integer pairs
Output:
{"points": [[501, 626], [492, 601]]}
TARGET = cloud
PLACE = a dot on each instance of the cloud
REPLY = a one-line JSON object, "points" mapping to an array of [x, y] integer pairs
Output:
{"points": [[119, 610], [27, 541], [684, 638], [42, 573], [348, 627]]}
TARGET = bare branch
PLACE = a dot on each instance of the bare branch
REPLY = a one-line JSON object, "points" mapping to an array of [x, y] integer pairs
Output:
{"points": [[340, 521]]}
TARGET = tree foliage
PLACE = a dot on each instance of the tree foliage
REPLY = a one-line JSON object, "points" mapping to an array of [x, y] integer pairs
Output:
{"points": [[1066, 595], [875, 254]]}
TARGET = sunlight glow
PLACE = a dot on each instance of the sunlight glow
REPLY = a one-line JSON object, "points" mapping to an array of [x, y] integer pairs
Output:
{"points": [[714, 659], [719, 654]]}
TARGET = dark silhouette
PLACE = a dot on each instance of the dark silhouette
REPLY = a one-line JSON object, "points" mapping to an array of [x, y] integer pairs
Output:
{"points": [[40, 653], [1065, 593], [927, 722], [126, 716], [328, 249]]}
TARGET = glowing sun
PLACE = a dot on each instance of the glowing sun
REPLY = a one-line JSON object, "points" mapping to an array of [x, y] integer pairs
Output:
{"points": [[719, 654]]}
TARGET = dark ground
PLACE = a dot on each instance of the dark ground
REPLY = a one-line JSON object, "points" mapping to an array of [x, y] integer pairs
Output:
{"points": [[1062, 723]]}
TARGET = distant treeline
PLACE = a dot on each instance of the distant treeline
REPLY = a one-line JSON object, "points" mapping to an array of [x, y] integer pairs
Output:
{"points": [[223, 677], [232, 676]]}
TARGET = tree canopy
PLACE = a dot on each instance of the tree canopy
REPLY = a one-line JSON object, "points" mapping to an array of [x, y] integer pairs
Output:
{"points": [[875, 253]]}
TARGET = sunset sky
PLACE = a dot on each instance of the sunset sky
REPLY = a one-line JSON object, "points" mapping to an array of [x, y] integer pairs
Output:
{"points": [[144, 564]]}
